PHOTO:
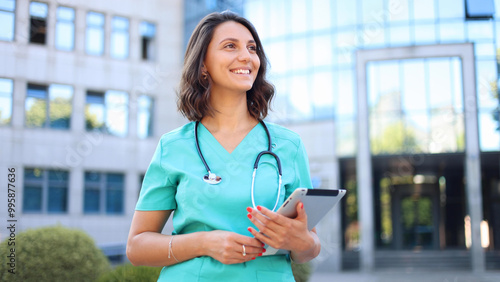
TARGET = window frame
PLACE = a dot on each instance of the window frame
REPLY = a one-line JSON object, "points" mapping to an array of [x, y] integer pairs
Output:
{"points": [[45, 184], [13, 12], [103, 188], [58, 21]]}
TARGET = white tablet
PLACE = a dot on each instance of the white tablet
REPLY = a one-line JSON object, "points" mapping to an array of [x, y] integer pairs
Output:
{"points": [[317, 203]]}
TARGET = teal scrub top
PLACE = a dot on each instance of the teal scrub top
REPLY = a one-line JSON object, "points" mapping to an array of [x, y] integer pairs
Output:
{"points": [[174, 181]]}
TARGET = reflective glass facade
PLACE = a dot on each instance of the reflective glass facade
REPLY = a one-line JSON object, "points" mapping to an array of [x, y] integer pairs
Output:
{"points": [[418, 138]]}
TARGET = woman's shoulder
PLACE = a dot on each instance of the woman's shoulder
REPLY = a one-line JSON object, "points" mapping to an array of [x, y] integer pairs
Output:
{"points": [[281, 132], [181, 133]]}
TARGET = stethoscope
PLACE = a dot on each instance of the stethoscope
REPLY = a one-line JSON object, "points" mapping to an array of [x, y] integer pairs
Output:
{"points": [[212, 178]]}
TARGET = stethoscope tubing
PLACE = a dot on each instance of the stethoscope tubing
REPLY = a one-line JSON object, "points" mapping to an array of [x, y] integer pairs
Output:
{"points": [[212, 178]]}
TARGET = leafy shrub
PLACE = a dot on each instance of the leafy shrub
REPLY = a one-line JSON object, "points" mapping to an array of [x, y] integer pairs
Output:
{"points": [[130, 273], [53, 254]]}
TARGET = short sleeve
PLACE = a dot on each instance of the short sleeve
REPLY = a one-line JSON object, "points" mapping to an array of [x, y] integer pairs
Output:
{"points": [[301, 167], [157, 193]]}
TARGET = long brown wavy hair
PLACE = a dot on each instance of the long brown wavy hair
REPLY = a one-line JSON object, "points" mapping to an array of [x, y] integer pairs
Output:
{"points": [[194, 90]]}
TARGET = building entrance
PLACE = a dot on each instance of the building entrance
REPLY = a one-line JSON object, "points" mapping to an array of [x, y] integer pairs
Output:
{"points": [[416, 216]]}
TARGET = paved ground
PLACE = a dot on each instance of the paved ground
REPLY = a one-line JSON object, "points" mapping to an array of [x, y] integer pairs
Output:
{"points": [[401, 276]]}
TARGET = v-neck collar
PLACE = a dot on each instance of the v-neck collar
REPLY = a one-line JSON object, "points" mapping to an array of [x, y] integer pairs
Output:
{"points": [[214, 144]]}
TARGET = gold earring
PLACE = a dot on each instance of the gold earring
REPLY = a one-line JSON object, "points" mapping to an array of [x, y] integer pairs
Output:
{"points": [[204, 75]]}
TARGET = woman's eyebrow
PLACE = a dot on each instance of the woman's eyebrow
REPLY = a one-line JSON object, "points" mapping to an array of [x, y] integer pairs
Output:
{"points": [[235, 40]]}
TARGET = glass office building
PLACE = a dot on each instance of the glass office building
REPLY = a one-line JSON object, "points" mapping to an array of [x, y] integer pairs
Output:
{"points": [[411, 89]]}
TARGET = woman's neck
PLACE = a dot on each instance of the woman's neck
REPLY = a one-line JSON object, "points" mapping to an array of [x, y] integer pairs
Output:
{"points": [[230, 114]]}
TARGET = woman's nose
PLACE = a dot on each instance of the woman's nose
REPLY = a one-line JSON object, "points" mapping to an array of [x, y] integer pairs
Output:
{"points": [[244, 55]]}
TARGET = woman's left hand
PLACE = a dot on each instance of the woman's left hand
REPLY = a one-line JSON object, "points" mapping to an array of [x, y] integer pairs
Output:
{"points": [[281, 232]]}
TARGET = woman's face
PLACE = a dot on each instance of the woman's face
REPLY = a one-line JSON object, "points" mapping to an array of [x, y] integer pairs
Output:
{"points": [[232, 59]]}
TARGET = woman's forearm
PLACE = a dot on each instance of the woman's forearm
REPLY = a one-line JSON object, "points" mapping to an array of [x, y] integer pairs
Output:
{"points": [[152, 249]]}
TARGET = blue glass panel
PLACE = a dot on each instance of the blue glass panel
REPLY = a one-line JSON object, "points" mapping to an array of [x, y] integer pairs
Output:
{"points": [[119, 45], [486, 77], [119, 23], [322, 94], [399, 35], [117, 112], [65, 13], [277, 23], [300, 101], [58, 199], [91, 201], [39, 10], [480, 30], [425, 33], [7, 26], [147, 29], [8, 5], [373, 11], [6, 88], [439, 79], [398, 11], [448, 9], [298, 14], [58, 177], [95, 19], [33, 174], [37, 91], [346, 95], [299, 53], [414, 96], [424, 10], [346, 13], [65, 36], [321, 14], [452, 32], [94, 44], [144, 116], [345, 134], [489, 130], [480, 8], [92, 177], [114, 201], [32, 198], [115, 180]]}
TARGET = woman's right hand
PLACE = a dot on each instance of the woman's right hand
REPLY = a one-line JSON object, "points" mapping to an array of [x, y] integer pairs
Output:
{"points": [[227, 247]]}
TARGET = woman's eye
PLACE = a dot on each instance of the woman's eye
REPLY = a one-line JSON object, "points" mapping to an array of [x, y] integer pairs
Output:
{"points": [[252, 48], [230, 45]]}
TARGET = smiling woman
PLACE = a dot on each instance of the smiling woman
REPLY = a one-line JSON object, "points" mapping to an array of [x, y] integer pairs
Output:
{"points": [[217, 237]]}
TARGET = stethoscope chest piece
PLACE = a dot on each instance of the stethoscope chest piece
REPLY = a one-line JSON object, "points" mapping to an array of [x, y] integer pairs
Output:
{"points": [[211, 178]]}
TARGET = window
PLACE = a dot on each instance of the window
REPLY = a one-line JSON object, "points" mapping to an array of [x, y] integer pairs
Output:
{"points": [[49, 106], [6, 90], [119, 38], [148, 34], [65, 28], [45, 191], [145, 116], [38, 22], [103, 193], [479, 9], [7, 18], [94, 44], [107, 112]]}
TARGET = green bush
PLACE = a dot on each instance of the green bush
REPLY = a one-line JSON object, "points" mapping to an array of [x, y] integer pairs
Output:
{"points": [[53, 254], [130, 273], [301, 272]]}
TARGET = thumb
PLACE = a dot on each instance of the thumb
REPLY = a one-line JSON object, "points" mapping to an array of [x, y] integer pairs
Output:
{"points": [[301, 212]]}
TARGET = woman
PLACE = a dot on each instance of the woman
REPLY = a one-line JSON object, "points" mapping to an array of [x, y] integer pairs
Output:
{"points": [[218, 231]]}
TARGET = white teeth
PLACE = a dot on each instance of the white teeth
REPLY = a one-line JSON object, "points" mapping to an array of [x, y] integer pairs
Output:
{"points": [[241, 71]]}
